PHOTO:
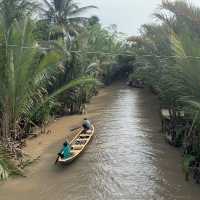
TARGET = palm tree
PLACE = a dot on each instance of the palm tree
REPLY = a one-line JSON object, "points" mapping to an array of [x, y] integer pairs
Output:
{"points": [[179, 15], [65, 16], [26, 74], [187, 63], [183, 21], [172, 64], [12, 10]]}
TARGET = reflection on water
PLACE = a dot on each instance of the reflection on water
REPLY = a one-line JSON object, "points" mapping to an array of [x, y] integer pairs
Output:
{"points": [[128, 159]]}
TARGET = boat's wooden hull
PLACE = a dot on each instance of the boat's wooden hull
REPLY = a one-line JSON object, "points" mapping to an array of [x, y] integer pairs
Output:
{"points": [[78, 145]]}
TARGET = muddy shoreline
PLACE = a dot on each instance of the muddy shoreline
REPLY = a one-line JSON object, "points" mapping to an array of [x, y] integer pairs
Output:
{"points": [[59, 129]]}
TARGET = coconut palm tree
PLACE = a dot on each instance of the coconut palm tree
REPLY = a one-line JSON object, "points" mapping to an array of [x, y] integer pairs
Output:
{"points": [[12, 10], [65, 16]]}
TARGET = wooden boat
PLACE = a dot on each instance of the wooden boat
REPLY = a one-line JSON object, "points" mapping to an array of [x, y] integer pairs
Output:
{"points": [[78, 145]]}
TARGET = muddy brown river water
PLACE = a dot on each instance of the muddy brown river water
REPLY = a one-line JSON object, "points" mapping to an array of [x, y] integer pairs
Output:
{"points": [[128, 158]]}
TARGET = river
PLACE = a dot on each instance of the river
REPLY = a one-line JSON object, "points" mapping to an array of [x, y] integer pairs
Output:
{"points": [[128, 158]]}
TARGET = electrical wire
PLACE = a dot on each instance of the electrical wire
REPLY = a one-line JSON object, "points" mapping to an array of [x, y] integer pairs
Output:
{"points": [[164, 57]]}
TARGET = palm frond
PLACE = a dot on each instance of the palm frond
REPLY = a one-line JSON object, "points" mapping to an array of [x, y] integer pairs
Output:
{"points": [[3, 170], [177, 47], [81, 10], [72, 84]]}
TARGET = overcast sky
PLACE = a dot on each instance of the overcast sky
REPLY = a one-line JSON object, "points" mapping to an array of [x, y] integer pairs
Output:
{"points": [[128, 15]]}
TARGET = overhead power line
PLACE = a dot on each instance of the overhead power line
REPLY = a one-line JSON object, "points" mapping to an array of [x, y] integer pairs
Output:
{"points": [[163, 57]]}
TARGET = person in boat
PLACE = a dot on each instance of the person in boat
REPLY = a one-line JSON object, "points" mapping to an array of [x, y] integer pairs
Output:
{"points": [[65, 152], [87, 124]]}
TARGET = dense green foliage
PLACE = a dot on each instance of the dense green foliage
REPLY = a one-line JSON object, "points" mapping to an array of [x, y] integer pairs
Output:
{"points": [[169, 53], [169, 57], [50, 65]]}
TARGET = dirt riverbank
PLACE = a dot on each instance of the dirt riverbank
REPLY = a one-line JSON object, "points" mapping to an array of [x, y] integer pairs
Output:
{"points": [[60, 129]]}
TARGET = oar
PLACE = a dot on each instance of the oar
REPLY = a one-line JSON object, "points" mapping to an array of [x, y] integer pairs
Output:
{"points": [[73, 129], [56, 160]]}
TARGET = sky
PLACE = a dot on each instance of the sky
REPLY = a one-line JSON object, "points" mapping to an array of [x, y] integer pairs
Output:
{"points": [[128, 15]]}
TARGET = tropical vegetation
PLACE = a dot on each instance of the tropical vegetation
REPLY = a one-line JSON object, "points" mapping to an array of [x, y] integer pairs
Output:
{"points": [[51, 64], [168, 54], [53, 60]]}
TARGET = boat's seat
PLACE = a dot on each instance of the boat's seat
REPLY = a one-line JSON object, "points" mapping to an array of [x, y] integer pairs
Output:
{"points": [[77, 147], [84, 137], [89, 132], [81, 139], [80, 142]]}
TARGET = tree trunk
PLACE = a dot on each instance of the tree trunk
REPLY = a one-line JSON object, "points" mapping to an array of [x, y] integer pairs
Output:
{"points": [[5, 126]]}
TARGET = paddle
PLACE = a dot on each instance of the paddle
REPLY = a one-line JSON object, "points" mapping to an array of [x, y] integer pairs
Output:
{"points": [[56, 160], [73, 129]]}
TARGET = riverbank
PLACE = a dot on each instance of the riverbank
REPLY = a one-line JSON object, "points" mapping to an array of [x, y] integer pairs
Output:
{"points": [[59, 129]]}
